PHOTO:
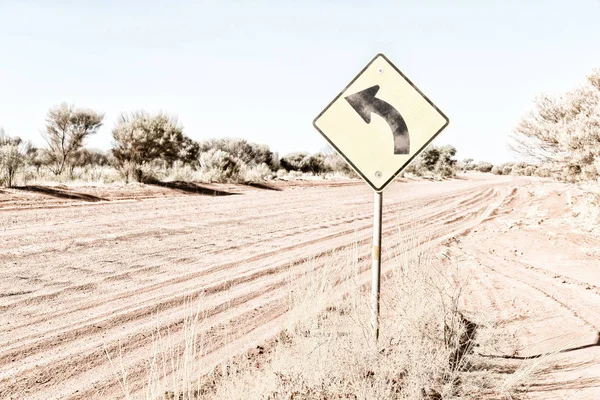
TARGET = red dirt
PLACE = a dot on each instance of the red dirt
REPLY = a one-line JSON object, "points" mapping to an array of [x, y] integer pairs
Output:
{"points": [[82, 276]]}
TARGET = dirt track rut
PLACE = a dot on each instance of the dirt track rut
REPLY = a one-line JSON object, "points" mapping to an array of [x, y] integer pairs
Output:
{"points": [[79, 281]]}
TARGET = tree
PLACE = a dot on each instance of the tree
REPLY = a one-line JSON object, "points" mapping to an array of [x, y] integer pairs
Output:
{"points": [[11, 157], [564, 131], [141, 137], [36, 157], [66, 128]]}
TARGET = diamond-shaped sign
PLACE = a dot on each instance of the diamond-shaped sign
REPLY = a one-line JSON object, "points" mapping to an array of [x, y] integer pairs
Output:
{"points": [[380, 122]]}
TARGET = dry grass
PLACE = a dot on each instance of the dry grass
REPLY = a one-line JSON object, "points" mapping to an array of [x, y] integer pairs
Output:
{"points": [[100, 175], [96, 175], [326, 350]]}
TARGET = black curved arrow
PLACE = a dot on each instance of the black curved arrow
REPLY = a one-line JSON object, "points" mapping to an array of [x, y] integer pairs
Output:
{"points": [[365, 103]]}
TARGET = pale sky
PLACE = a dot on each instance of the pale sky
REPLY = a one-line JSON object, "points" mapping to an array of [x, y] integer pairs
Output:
{"points": [[263, 70]]}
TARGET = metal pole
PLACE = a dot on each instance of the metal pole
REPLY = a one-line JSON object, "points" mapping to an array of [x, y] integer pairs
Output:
{"points": [[376, 266]]}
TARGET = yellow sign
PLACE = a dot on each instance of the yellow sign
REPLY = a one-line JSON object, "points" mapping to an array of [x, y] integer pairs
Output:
{"points": [[380, 122]]}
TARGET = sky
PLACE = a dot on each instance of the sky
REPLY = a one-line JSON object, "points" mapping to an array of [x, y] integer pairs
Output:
{"points": [[263, 70]]}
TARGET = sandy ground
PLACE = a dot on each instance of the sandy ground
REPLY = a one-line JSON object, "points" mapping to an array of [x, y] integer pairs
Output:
{"points": [[534, 271], [86, 271]]}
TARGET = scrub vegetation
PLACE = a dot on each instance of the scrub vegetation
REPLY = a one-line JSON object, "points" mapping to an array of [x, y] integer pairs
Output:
{"points": [[326, 349], [150, 147], [562, 133]]}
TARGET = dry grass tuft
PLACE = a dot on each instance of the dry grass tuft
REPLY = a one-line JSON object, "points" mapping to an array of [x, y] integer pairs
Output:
{"points": [[326, 351]]}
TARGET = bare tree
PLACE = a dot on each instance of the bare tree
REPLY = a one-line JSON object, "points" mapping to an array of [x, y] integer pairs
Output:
{"points": [[66, 128]]}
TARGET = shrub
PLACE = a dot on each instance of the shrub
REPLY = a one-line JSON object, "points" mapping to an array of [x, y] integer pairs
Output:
{"points": [[36, 157], [506, 170], [141, 138], [429, 158], [434, 161], [466, 164], [293, 161], [219, 166], [497, 170], [10, 161], [484, 167], [248, 153], [563, 130], [180, 171], [10, 158], [256, 173], [313, 163], [529, 170], [336, 164]]}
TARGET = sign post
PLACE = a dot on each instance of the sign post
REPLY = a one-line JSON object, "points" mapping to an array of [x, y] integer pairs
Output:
{"points": [[376, 265], [379, 148]]}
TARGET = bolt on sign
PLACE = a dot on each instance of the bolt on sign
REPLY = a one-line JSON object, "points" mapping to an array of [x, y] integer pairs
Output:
{"points": [[380, 122]]}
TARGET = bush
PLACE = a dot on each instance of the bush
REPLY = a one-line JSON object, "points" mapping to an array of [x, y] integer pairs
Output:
{"points": [[314, 163], [246, 152], [141, 138], [497, 170], [529, 170], [257, 173], [484, 167], [36, 157], [466, 164], [10, 161], [523, 169], [435, 161], [336, 164], [10, 158], [293, 161], [506, 170], [563, 130], [317, 163], [220, 166]]}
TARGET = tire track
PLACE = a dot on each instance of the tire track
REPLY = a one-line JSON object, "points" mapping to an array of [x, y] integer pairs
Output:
{"points": [[260, 277]]}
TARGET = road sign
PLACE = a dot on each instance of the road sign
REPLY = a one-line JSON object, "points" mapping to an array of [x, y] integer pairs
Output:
{"points": [[379, 148], [380, 122]]}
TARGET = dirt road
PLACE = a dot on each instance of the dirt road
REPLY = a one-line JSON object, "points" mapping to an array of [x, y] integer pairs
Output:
{"points": [[535, 276], [85, 277]]}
